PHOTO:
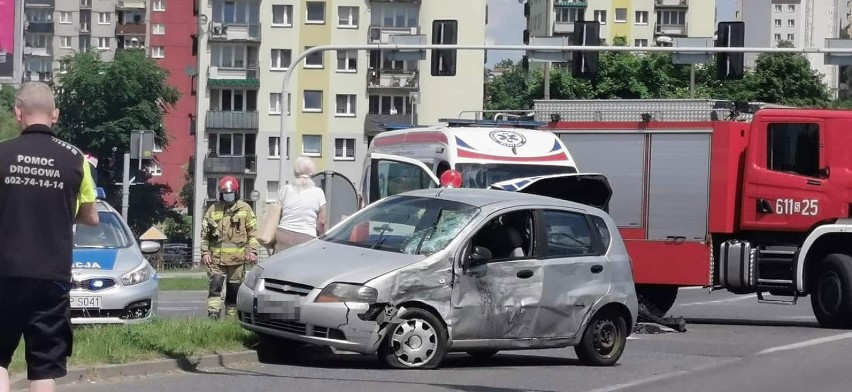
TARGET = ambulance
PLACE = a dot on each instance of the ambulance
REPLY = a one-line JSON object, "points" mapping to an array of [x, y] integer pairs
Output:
{"points": [[477, 154]]}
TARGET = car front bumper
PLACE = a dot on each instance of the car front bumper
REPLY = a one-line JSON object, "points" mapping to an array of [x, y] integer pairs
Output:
{"points": [[119, 304], [299, 318]]}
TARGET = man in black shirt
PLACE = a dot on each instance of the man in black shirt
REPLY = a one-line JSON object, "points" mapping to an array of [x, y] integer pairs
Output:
{"points": [[45, 188]]}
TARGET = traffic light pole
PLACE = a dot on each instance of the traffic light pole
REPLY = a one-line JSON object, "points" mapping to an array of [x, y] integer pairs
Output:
{"points": [[285, 87]]}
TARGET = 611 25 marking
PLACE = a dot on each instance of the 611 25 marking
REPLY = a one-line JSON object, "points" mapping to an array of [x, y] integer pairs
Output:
{"points": [[807, 207]]}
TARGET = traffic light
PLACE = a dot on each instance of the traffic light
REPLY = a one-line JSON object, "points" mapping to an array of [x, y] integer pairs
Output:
{"points": [[585, 64], [525, 63], [729, 66]]}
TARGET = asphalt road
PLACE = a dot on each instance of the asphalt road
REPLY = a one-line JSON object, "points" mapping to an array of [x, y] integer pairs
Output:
{"points": [[732, 343]]}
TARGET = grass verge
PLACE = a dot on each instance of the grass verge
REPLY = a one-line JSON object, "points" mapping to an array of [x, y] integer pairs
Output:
{"points": [[158, 339], [183, 284]]}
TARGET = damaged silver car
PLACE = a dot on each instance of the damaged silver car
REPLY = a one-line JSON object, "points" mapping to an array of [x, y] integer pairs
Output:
{"points": [[417, 275]]}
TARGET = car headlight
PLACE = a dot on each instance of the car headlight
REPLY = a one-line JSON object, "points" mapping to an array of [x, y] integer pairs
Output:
{"points": [[253, 277], [345, 292], [140, 274]]}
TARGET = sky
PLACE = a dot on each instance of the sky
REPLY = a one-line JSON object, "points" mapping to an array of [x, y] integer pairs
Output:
{"points": [[506, 25]]}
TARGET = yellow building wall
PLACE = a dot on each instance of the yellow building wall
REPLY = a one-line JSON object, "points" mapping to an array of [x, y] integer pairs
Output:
{"points": [[314, 79]]}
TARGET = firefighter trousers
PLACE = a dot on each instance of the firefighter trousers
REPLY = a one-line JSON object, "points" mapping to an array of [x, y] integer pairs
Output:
{"points": [[225, 281]]}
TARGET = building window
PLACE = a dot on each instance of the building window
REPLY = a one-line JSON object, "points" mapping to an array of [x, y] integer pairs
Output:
{"points": [[312, 145], [791, 37], [389, 104], [103, 43], [671, 18], [274, 103], [232, 144], [346, 105], [315, 12], [282, 15], [600, 16], [65, 42], [314, 60], [347, 60], [159, 5], [791, 22], [790, 8], [444, 32], [155, 170], [777, 8], [158, 52], [569, 14], [344, 149], [85, 43], [777, 22], [157, 147], [621, 15], [85, 3], [280, 59], [641, 17], [274, 147], [347, 17], [640, 42], [159, 29], [271, 191], [312, 101], [777, 37], [65, 17], [104, 18], [229, 56]]}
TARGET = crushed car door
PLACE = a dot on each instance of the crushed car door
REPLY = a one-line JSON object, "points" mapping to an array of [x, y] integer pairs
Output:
{"points": [[394, 174], [589, 189]]}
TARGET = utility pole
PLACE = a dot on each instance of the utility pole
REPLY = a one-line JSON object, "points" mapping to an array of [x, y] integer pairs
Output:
{"points": [[692, 81], [547, 80], [125, 186]]}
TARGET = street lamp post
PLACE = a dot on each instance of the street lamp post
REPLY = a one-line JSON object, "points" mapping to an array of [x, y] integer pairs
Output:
{"points": [[838, 51]]}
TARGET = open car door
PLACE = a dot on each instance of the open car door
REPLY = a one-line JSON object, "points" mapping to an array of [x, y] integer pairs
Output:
{"points": [[341, 197], [393, 174], [589, 189]]}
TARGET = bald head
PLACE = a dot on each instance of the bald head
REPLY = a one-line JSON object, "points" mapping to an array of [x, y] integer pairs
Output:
{"points": [[34, 104]]}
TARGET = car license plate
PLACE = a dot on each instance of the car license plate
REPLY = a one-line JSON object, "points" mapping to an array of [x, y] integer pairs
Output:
{"points": [[85, 302]]}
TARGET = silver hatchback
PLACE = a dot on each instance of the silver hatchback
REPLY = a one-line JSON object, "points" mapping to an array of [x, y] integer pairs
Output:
{"points": [[414, 276]]}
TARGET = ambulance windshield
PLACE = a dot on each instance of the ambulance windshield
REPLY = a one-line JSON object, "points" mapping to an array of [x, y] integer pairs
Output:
{"points": [[482, 175]]}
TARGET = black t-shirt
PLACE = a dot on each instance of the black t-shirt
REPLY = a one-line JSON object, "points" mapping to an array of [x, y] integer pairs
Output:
{"points": [[41, 188]]}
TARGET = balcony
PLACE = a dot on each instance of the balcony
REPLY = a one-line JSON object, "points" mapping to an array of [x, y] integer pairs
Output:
{"points": [[234, 32], [232, 120], [671, 3], [563, 27], [85, 28], [670, 29], [85, 4], [131, 28], [233, 77], [381, 35], [571, 3], [230, 165], [38, 52], [399, 80], [38, 27], [131, 5], [375, 123], [39, 3], [44, 77]]}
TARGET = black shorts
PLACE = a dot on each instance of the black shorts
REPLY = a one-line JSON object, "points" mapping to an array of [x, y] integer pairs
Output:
{"points": [[39, 310]]}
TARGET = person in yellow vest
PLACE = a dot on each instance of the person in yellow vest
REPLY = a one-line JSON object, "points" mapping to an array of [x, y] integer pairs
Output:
{"points": [[228, 242]]}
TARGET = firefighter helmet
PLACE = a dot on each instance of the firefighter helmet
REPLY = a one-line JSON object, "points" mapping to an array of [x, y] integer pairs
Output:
{"points": [[229, 184]]}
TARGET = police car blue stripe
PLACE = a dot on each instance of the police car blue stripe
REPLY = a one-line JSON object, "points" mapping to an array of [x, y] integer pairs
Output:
{"points": [[96, 259]]}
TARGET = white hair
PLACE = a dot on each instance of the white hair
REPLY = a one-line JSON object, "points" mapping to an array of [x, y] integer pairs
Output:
{"points": [[303, 169]]}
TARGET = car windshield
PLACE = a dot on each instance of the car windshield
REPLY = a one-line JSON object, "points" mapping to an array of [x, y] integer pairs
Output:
{"points": [[109, 233], [405, 224], [483, 175]]}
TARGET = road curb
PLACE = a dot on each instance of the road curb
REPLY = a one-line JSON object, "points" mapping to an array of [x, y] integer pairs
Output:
{"points": [[144, 368]]}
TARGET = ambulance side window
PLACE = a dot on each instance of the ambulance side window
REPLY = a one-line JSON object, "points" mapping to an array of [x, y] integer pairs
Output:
{"points": [[392, 178], [442, 167]]}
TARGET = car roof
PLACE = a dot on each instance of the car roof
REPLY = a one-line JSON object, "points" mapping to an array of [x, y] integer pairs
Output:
{"points": [[486, 197]]}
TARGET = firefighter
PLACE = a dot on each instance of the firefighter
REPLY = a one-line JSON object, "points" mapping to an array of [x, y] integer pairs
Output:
{"points": [[228, 242]]}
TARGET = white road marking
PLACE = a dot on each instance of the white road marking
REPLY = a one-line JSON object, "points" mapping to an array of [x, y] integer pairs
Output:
{"points": [[721, 301], [806, 343], [661, 377]]}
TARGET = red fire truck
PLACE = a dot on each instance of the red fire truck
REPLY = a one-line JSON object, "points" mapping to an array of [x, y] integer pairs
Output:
{"points": [[716, 194]]}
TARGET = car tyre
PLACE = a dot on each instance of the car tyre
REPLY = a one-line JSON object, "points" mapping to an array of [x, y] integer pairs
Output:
{"points": [[603, 340], [831, 297], [419, 342]]}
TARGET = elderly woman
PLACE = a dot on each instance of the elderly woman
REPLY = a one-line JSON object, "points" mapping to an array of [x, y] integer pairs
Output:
{"points": [[303, 215]]}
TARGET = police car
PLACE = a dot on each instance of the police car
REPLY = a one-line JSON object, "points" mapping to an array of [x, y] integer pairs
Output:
{"points": [[113, 283]]}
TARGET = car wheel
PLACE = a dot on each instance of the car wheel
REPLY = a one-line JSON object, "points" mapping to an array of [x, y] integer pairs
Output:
{"points": [[603, 340], [482, 354], [831, 296], [419, 342]]}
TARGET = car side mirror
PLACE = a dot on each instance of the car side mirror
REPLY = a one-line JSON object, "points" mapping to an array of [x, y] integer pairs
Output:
{"points": [[480, 255], [149, 247]]}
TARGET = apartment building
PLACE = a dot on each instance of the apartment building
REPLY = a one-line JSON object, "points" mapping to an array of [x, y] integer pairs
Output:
{"points": [[804, 23], [640, 22], [338, 100]]}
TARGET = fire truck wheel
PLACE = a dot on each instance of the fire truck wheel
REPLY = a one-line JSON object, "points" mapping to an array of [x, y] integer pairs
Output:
{"points": [[831, 296], [658, 299]]}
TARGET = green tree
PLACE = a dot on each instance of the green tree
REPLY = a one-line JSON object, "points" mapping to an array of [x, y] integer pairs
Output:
{"points": [[187, 192], [8, 126], [787, 78], [509, 90]]}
